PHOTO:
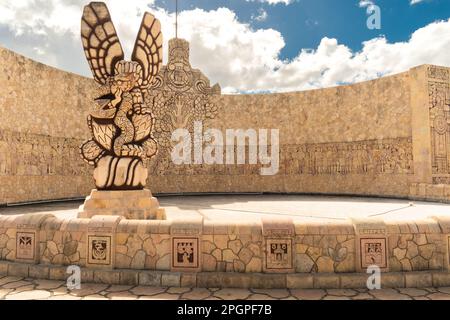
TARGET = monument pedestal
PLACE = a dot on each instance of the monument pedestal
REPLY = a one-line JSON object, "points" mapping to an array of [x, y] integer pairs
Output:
{"points": [[133, 204]]}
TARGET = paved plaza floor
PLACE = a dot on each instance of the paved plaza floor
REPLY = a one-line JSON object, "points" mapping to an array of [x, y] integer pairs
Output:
{"points": [[254, 207], [15, 288]]}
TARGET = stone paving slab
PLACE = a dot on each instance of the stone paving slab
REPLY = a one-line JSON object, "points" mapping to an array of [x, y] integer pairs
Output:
{"points": [[16, 288]]}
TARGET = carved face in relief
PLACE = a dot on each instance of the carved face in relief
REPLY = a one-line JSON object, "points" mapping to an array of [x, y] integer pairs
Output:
{"points": [[179, 70], [179, 74], [128, 76], [278, 251]]}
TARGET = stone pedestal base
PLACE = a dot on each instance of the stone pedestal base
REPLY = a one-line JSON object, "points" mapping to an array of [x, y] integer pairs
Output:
{"points": [[120, 173], [133, 204]]}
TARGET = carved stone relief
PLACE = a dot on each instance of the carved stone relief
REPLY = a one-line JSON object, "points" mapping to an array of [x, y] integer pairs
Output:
{"points": [[373, 252], [439, 105], [99, 250], [26, 245], [278, 235], [27, 154], [178, 96], [388, 156], [185, 253], [360, 157], [279, 254]]}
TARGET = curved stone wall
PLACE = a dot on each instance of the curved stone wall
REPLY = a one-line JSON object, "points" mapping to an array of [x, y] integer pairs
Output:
{"points": [[346, 140], [386, 137], [43, 111]]}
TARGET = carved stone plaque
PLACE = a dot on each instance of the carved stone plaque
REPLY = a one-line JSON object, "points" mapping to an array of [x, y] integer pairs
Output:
{"points": [[373, 252], [26, 245], [99, 250], [278, 254], [185, 253]]}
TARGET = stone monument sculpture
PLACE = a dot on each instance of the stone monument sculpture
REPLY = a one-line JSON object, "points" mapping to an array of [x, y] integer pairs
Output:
{"points": [[120, 122]]}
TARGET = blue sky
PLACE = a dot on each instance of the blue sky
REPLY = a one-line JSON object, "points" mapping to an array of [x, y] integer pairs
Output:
{"points": [[252, 45], [304, 23]]}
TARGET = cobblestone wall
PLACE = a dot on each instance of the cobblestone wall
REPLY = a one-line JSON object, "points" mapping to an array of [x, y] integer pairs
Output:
{"points": [[192, 246]]}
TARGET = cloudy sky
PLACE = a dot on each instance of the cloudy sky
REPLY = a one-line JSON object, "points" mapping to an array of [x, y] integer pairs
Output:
{"points": [[251, 45]]}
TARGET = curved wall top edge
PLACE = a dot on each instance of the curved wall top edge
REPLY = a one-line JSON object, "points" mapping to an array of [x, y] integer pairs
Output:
{"points": [[43, 65], [82, 77]]}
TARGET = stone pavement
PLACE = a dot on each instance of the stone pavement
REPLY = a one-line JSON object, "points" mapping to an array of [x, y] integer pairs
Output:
{"points": [[15, 288], [253, 207]]}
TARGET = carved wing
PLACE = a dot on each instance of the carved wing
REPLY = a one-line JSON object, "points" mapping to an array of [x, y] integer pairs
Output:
{"points": [[103, 134], [100, 42], [143, 126], [150, 147], [148, 48]]}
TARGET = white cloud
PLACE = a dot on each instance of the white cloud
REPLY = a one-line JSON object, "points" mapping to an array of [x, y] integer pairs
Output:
{"points": [[370, 3], [311, 23], [366, 4], [262, 15], [49, 30], [242, 59], [286, 2], [227, 50]]}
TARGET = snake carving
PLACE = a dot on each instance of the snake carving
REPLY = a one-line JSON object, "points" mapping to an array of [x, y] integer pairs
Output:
{"points": [[120, 123]]}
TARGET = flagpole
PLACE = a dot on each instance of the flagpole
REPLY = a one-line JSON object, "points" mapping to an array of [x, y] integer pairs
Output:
{"points": [[176, 19]]}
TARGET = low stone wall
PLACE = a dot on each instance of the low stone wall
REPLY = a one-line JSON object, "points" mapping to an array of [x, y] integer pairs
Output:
{"points": [[281, 249]]}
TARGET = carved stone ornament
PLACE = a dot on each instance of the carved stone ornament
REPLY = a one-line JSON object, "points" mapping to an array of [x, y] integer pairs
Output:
{"points": [[121, 123]]}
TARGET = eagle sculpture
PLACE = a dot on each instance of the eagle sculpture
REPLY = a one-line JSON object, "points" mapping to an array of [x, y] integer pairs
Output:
{"points": [[120, 123]]}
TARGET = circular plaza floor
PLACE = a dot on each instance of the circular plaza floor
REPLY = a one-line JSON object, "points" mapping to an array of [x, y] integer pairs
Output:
{"points": [[254, 207]]}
